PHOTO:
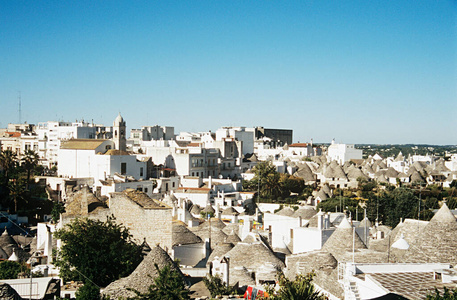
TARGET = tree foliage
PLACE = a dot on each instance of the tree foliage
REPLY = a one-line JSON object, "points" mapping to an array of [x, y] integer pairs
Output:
{"points": [[447, 295], [57, 209], [273, 185], [88, 292], [10, 269], [301, 288], [168, 285], [96, 251], [216, 286], [29, 162]]}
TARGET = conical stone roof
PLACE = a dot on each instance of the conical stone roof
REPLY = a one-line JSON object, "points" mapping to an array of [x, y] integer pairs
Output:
{"points": [[438, 242], [305, 172], [304, 213], [182, 235], [142, 277], [341, 240], [253, 256], [286, 211], [219, 251]]}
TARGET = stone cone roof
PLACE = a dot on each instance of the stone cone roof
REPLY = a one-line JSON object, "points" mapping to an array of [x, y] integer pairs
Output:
{"points": [[230, 211], [369, 170], [313, 222], [208, 209], [353, 173], [365, 223], [6, 240], [253, 256], [341, 240], [305, 172], [286, 211], [382, 178], [142, 277], [8, 293], [391, 173], [74, 204], [320, 262], [304, 213], [438, 242], [233, 238], [322, 195], [195, 210], [219, 251], [326, 189], [241, 276], [181, 235], [417, 177]]}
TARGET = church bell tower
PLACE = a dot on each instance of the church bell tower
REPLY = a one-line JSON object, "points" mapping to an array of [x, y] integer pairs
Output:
{"points": [[119, 133]]}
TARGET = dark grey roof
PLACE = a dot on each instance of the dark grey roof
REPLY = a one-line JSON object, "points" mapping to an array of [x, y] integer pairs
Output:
{"points": [[182, 235]]}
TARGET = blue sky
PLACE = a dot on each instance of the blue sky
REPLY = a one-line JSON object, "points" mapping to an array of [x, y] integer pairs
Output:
{"points": [[356, 71]]}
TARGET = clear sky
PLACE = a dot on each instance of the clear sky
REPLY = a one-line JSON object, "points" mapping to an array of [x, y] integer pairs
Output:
{"points": [[357, 71]]}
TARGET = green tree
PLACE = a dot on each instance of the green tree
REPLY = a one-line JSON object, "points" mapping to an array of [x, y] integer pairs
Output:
{"points": [[17, 191], [88, 292], [29, 162], [216, 286], [168, 285], [96, 251], [57, 209], [301, 288], [10, 269], [8, 160], [402, 203], [447, 295]]}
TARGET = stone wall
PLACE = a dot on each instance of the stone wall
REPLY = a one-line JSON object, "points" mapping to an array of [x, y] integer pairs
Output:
{"points": [[154, 224]]}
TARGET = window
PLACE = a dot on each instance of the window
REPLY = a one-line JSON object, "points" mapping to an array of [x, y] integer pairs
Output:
{"points": [[139, 189], [166, 187], [123, 168], [141, 171], [145, 190], [173, 184]]}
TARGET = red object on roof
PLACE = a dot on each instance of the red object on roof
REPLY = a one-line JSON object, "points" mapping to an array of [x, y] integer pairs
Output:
{"points": [[193, 145], [167, 169], [14, 134], [299, 145]]}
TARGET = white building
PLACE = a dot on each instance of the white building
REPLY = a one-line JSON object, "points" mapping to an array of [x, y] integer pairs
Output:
{"points": [[343, 152]]}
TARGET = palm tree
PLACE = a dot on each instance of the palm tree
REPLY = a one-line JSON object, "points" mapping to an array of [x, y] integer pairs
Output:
{"points": [[29, 161], [16, 188], [8, 160]]}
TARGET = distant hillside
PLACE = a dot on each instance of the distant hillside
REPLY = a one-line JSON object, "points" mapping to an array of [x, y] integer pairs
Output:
{"points": [[406, 149]]}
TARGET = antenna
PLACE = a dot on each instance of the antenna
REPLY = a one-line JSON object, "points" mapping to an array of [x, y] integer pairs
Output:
{"points": [[19, 107]]}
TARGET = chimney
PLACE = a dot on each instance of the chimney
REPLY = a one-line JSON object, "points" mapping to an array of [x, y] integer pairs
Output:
{"points": [[320, 221], [48, 244], [218, 213]]}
